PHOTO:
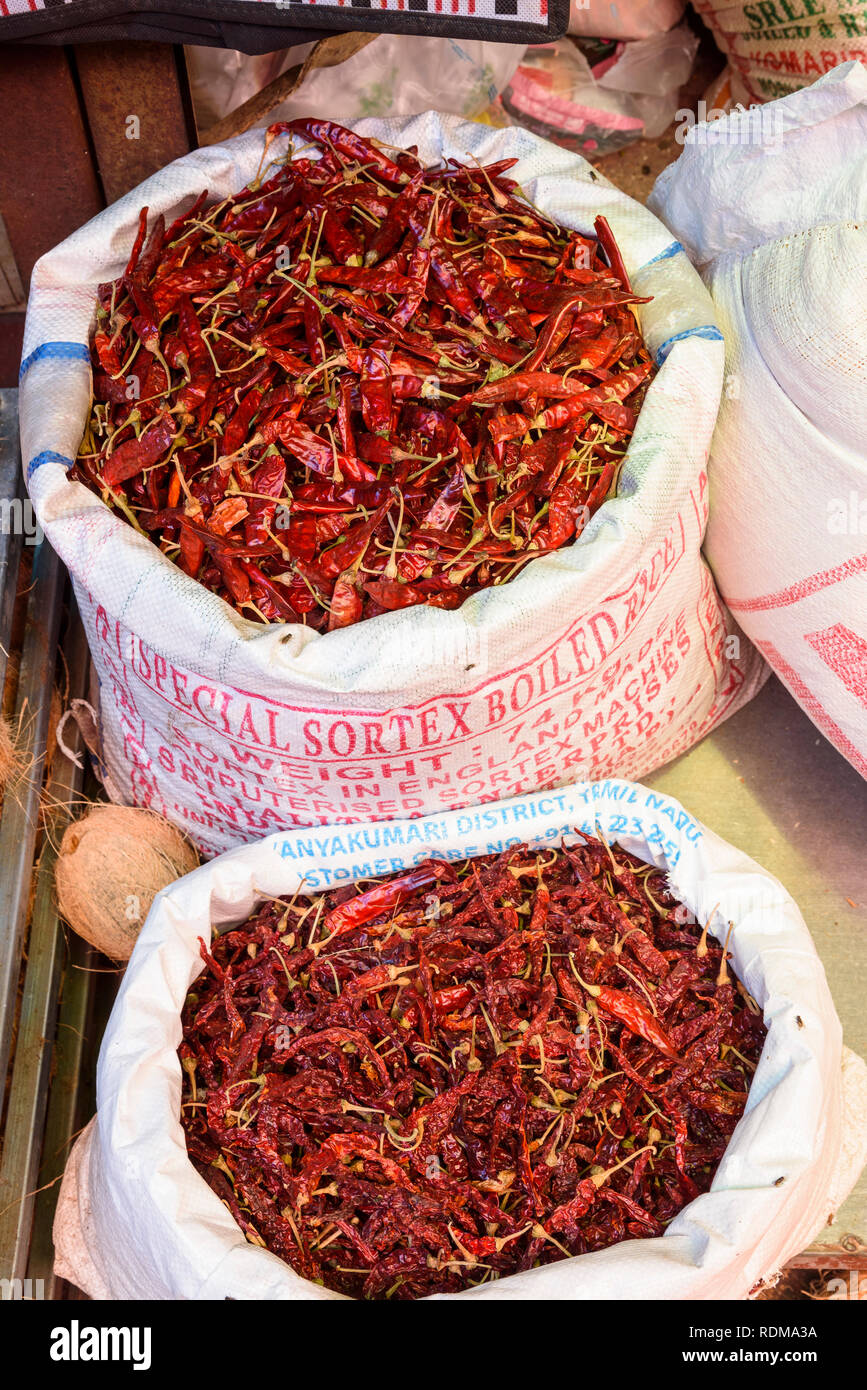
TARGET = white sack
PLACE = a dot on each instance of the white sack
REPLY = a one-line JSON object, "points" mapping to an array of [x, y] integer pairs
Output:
{"points": [[780, 236], [135, 1219], [611, 655]]}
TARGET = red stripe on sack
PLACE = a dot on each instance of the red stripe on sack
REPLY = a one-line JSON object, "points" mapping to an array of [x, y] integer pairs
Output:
{"points": [[802, 589], [844, 653], [707, 584], [807, 699]]}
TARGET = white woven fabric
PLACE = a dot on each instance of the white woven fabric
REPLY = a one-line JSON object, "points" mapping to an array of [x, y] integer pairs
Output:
{"points": [[780, 236], [609, 656], [135, 1220]]}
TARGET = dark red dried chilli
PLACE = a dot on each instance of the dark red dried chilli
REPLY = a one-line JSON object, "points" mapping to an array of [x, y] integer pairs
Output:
{"points": [[464, 1071], [361, 385]]}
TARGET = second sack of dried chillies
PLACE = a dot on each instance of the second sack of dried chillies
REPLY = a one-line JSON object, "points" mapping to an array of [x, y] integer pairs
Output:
{"points": [[440, 1059], [405, 454]]}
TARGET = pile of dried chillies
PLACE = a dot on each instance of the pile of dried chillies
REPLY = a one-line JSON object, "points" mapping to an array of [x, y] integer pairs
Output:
{"points": [[464, 1071], [360, 385]]}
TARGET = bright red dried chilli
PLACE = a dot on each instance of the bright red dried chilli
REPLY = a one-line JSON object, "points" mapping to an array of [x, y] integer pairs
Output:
{"points": [[360, 385], [464, 1071]]}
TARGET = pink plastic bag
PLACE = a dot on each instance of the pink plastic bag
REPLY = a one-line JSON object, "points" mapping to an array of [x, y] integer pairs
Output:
{"points": [[635, 19]]}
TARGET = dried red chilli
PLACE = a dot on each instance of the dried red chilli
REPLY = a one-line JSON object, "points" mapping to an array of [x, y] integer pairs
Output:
{"points": [[466, 1070], [421, 334]]}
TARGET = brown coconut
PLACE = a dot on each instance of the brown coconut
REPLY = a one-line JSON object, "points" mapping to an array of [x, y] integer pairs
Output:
{"points": [[111, 865]]}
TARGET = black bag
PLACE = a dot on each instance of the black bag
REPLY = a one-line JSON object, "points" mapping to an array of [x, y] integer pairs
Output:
{"points": [[281, 23]]}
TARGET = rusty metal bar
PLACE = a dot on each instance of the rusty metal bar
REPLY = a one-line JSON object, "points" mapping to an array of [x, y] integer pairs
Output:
{"points": [[829, 1257], [139, 119], [48, 186]]}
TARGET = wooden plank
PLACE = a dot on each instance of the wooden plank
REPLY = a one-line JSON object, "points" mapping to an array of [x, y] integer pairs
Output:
{"points": [[11, 337], [25, 1113], [46, 950], [11, 288], [48, 186], [137, 112], [89, 988], [69, 1106], [11, 535], [21, 801]]}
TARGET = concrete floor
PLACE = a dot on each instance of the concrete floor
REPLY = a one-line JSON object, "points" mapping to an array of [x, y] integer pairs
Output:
{"points": [[768, 782]]}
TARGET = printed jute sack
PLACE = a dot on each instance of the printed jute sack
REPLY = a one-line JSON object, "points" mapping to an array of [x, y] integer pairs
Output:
{"points": [[611, 655], [779, 46], [781, 242], [135, 1219]]}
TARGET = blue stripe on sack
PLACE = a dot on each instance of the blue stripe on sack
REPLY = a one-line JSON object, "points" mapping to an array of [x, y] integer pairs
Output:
{"points": [[78, 351], [708, 331], [47, 456], [665, 255]]}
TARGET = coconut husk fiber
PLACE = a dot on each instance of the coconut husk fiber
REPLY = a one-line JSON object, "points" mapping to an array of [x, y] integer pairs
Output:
{"points": [[112, 863], [9, 760]]}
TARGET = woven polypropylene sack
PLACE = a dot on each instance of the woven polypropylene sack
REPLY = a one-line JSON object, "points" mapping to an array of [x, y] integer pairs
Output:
{"points": [[781, 241], [135, 1219], [610, 656], [773, 50]]}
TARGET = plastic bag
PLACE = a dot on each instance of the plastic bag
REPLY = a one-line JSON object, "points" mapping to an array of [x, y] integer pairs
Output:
{"points": [[632, 19], [395, 75], [135, 1219], [650, 73], [779, 233], [597, 110], [610, 655], [221, 79], [555, 94]]}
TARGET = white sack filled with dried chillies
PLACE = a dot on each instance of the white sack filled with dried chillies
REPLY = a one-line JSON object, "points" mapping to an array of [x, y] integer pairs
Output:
{"points": [[516, 1067], [470, 427]]}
